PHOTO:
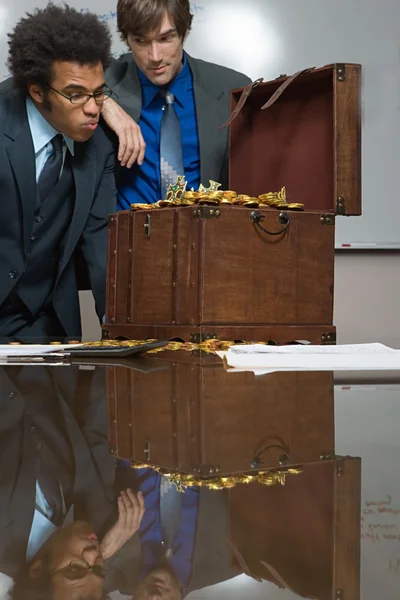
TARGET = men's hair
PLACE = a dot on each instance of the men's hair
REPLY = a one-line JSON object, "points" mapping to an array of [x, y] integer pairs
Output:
{"points": [[140, 17], [51, 34]]}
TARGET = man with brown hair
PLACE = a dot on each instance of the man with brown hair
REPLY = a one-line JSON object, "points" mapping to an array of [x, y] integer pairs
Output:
{"points": [[179, 102]]}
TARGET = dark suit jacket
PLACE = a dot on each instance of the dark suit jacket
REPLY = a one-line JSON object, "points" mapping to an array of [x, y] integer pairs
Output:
{"points": [[93, 169], [28, 395], [212, 86]]}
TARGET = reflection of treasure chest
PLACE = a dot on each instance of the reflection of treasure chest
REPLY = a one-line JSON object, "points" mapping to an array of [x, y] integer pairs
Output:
{"points": [[249, 272], [188, 414], [303, 536]]}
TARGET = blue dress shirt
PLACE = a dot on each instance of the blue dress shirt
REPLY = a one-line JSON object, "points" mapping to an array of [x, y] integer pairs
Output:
{"points": [[142, 184], [180, 556]]}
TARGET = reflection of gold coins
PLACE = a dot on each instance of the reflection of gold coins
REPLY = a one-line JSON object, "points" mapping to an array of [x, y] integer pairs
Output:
{"points": [[14, 343]]}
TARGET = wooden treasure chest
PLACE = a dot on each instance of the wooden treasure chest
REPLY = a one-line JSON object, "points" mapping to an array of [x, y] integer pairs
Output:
{"points": [[304, 536], [188, 414], [255, 263]]}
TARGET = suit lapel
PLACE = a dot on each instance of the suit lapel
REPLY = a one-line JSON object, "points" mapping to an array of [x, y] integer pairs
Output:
{"points": [[84, 173], [19, 147], [129, 92], [211, 111]]}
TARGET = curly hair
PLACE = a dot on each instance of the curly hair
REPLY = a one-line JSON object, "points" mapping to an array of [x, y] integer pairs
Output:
{"points": [[51, 34]]}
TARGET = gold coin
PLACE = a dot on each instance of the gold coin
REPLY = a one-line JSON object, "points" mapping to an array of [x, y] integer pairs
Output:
{"points": [[208, 200], [174, 345], [252, 203], [139, 206], [295, 206], [55, 343]]}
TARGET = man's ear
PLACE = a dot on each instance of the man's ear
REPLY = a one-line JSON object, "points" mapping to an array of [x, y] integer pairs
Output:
{"points": [[35, 570], [36, 92]]}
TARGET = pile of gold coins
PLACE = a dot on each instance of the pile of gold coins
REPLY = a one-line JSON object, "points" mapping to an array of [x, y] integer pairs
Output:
{"points": [[182, 481], [212, 196], [208, 346]]}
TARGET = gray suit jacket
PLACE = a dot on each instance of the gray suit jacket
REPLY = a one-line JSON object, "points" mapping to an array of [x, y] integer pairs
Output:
{"points": [[212, 86], [93, 169]]}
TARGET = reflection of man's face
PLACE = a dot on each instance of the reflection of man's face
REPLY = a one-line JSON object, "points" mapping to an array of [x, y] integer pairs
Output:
{"points": [[160, 583], [76, 543]]}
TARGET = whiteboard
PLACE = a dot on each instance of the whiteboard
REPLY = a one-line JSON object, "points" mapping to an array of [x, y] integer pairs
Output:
{"points": [[264, 38], [366, 425]]}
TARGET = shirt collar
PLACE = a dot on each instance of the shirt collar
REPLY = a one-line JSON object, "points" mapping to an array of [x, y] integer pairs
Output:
{"points": [[41, 130], [178, 87]]}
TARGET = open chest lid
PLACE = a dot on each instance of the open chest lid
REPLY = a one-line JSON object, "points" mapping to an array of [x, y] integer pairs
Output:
{"points": [[303, 133]]}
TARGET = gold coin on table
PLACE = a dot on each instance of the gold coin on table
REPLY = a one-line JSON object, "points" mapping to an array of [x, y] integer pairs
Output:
{"points": [[14, 343], [55, 343], [174, 346]]}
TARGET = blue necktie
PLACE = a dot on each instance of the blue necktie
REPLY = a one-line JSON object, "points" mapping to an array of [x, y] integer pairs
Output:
{"points": [[50, 174], [171, 157]]}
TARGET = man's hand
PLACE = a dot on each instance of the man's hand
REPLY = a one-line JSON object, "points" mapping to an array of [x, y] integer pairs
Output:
{"points": [[130, 514], [131, 147]]}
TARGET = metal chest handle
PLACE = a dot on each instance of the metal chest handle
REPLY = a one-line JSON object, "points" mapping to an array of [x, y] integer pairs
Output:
{"points": [[284, 219]]}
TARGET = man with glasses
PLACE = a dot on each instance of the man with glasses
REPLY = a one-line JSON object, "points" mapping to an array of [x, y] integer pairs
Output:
{"points": [[56, 173]]}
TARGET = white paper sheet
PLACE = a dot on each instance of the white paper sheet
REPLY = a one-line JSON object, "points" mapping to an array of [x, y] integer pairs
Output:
{"points": [[263, 359], [32, 349]]}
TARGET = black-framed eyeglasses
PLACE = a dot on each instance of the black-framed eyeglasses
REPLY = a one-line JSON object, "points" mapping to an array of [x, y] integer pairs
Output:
{"points": [[99, 97], [77, 569]]}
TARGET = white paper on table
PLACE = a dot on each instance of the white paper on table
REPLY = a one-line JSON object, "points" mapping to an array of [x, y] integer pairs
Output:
{"points": [[33, 349], [262, 359]]}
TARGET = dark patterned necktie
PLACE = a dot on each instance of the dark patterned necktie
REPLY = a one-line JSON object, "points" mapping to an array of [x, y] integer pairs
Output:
{"points": [[50, 174], [171, 156]]}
